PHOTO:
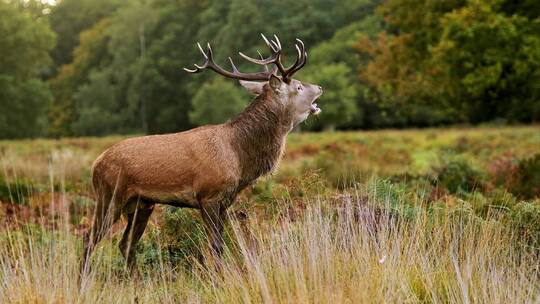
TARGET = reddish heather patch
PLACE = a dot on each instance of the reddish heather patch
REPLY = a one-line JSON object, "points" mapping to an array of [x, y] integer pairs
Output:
{"points": [[305, 150]]}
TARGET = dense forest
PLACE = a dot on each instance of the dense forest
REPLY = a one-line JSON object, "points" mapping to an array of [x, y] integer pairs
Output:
{"points": [[96, 67]]}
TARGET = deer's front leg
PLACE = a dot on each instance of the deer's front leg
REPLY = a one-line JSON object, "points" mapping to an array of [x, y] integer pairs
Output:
{"points": [[214, 216]]}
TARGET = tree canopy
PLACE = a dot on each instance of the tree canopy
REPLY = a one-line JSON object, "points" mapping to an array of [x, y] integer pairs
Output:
{"points": [[459, 61], [25, 44], [116, 66], [216, 102]]}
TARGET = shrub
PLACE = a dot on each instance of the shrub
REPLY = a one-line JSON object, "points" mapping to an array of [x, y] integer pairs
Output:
{"points": [[527, 217], [340, 167], [263, 191], [457, 175], [502, 170], [15, 192], [182, 234], [526, 183]]}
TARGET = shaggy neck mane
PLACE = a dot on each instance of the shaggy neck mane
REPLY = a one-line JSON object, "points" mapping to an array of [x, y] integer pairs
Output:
{"points": [[259, 135]]}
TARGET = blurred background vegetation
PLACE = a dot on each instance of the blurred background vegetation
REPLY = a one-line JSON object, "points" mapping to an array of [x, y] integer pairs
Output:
{"points": [[96, 67], [445, 214]]}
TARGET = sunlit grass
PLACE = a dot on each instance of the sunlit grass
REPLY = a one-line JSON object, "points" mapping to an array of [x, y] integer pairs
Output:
{"points": [[338, 223], [357, 251]]}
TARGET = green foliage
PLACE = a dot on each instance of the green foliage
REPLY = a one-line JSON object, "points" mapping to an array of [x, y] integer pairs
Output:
{"points": [[24, 105], [23, 41], [117, 64], [457, 175], [484, 60], [97, 111], [388, 193], [182, 233], [90, 53], [132, 80], [217, 101], [525, 181], [71, 17], [24, 98], [339, 98], [16, 192], [454, 61], [527, 217], [337, 73], [343, 42]]}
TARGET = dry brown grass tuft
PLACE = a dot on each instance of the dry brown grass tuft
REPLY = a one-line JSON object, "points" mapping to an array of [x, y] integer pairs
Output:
{"points": [[310, 234], [326, 255]]}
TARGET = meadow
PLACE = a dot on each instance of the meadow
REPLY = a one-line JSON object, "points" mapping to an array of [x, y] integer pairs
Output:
{"points": [[449, 215]]}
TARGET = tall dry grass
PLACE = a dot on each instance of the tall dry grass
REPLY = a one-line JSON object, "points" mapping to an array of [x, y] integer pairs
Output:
{"points": [[299, 244], [353, 253]]}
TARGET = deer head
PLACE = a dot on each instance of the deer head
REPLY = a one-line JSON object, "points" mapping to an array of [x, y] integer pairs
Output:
{"points": [[297, 96]]}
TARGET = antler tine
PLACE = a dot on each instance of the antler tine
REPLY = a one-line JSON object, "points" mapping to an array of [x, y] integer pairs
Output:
{"points": [[274, 69], [275, 50], [198, 68], [266, 61], [277, 41], [278, 47], [302, 57], [233, 66], [190, 70], [296, 62], [262, 58], [201, 49], [275, 58], [236, 74], [270, 45]]}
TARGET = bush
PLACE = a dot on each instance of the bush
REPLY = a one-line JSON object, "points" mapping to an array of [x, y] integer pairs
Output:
{"points": [[15, 192], [339, 165], [182, 235], [457, 175], [526, 183], [502, 170], [526, 216], [495, 204]]}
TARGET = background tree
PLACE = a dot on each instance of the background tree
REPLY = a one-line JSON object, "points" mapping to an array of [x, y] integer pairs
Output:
{"points": [[150, 93], [345, 92], [454, 61], [90, 54], [399, 63], [112, 99], [69, 18], [339, 99], [24, 97], [217, 101], [485, 60]]}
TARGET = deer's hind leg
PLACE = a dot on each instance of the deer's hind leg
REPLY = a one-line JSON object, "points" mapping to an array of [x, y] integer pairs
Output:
{"points": [[137, 219], [105, 215]]}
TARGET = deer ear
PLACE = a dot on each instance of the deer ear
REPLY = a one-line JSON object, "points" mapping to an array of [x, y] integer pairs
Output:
{"points": [[253, 87], [275, 83]]}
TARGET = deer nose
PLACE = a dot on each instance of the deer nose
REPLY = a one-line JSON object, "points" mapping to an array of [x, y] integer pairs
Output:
{"points": [[320, 88]]}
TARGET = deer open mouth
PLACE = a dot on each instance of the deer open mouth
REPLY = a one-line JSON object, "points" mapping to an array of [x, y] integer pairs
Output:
{"points": [[314, 109]]}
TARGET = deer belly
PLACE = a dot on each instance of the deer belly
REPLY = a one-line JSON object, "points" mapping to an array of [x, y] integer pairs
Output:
{"points": [[179, 198]]}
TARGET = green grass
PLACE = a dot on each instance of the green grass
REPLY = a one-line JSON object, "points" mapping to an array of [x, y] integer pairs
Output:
{"points": [[422, 216]]}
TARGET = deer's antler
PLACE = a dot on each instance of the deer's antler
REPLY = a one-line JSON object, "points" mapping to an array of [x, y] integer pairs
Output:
{"points": [[236, 74], [274, 58]]}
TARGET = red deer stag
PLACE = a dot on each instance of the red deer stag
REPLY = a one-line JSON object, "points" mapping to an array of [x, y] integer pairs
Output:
{"points": [[206, 167]]}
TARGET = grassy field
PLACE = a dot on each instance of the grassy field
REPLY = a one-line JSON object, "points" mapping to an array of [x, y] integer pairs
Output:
{"points": [[413, 216]]}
